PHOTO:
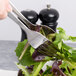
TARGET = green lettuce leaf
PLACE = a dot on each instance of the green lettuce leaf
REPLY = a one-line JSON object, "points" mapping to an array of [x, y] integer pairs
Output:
{"points": [[73, 39], [37, 69], [27, 58], [24, 70]]}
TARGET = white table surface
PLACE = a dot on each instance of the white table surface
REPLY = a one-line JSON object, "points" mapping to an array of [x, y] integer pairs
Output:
{"points": [[8, 58], [8, 55], [8, 73]]}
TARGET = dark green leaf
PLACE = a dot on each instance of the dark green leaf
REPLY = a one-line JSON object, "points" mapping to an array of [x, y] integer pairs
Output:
{"points": [[47, 71]]}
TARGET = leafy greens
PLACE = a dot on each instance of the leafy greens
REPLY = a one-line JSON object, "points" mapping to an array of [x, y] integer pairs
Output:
{"points": [[64, 53]]}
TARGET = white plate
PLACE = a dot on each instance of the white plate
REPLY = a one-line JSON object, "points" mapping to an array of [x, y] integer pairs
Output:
{"points": [[8, 73]]}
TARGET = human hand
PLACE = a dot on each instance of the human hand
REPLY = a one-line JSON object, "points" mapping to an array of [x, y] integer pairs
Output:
{"points": [[4, 8]]}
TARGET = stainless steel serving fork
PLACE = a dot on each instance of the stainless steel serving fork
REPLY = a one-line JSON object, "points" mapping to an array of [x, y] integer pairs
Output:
{"points": [[35, 39]]}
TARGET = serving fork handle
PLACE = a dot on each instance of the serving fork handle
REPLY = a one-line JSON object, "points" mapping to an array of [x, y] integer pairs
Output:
{"points": [[15, 10], [16, 20]]}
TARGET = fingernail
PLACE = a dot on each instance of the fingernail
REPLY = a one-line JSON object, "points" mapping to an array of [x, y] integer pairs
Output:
{"points": [[9, 9]]}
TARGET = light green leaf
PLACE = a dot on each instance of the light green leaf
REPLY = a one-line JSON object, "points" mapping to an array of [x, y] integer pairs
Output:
{"points": [[60, 45], [74, 73], [24, 70], [37, 68], [73, 39], [27, 58], [32, 50]]}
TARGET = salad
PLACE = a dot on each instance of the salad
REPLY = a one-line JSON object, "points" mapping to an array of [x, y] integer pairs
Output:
{"points": [[31, 61]]}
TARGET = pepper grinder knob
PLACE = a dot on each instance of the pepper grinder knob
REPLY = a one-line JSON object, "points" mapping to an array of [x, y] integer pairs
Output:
{"points": [[31, 15], [49, 17]]}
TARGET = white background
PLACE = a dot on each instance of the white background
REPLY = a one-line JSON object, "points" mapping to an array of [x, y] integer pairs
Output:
{"points": [[67, 9]]}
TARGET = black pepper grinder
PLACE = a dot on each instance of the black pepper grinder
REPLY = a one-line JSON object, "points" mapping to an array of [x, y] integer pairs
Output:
{"points": [[49, 17], [32, 16]]}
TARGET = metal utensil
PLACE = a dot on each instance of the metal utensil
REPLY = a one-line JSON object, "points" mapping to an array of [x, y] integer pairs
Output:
{"points": [[35, 39]]}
